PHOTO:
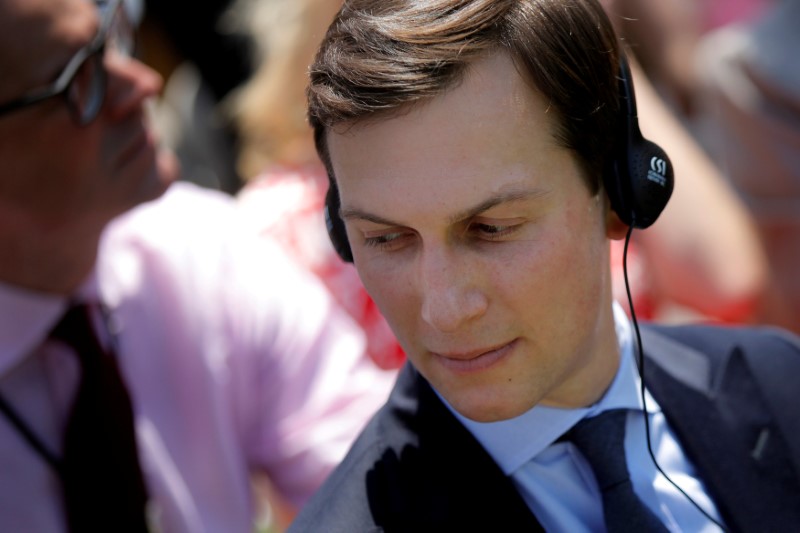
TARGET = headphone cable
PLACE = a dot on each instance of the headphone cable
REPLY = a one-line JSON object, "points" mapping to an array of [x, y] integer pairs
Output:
{"points": [[640, 364]]}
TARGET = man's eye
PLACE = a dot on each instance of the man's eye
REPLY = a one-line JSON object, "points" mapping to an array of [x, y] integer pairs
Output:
{"points": [[385, 241], [492, 231]]}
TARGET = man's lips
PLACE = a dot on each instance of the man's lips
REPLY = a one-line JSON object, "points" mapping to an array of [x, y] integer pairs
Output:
{"points": [[474, 360]]}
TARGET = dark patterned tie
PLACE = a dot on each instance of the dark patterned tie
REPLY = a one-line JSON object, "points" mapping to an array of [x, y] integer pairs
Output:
{"points": [[601, 440], [103, 485]]}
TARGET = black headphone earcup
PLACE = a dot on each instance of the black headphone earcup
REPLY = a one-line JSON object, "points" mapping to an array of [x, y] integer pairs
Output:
{"points": [[652, 181], [641, 183], [641, 179], [335, 224]]}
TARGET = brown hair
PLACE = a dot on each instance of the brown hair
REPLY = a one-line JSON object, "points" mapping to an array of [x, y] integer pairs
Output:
{"points": [[381, 55]]}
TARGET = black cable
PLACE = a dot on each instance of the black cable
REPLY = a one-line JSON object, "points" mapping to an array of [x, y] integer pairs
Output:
{"points": [[28, 434], [25, 430], [640, 364]]}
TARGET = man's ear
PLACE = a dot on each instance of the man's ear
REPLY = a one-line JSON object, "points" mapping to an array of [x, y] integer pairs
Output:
{"points": [[616, 229]]}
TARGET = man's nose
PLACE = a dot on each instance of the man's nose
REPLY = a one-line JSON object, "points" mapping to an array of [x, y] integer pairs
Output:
{"points": [[130, 83], [451, 296]]}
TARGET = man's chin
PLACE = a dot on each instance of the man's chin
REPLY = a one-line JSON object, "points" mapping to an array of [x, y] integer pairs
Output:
{"points": [[168, 170], [165, 172]]}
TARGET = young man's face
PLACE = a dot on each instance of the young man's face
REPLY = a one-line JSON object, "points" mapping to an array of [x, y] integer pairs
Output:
{"points": [[479, 240]]}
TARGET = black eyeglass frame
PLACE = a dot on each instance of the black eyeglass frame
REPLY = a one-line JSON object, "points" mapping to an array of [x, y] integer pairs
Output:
{"points": [[94, 51]]}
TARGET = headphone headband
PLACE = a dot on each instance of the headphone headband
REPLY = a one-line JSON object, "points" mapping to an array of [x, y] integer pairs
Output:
{"points": [[641, 179]]}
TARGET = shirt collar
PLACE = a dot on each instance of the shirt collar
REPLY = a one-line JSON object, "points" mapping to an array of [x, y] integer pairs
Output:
{"points": [[515, 441], [26, 317]]}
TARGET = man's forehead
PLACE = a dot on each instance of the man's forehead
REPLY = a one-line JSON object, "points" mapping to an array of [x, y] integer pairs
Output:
{"points": [[21, 24], [20, 18], [38, 36]]}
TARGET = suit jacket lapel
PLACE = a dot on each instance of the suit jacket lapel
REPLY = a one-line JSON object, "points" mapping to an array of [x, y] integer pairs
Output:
{"points": [[721, 419], [461, 488]]}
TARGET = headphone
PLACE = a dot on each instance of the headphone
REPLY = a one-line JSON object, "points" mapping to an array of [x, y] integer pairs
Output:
{"points": [[335, 224], [639, 181]]}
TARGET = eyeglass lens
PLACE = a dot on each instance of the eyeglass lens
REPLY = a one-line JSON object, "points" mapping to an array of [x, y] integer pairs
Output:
{"points": [[87, 91]]}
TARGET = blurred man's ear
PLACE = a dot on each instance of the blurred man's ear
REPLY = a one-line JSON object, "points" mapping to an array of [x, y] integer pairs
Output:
{"points": [[616, 229]]}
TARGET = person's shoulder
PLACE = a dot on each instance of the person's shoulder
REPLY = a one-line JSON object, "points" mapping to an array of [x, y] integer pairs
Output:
{"points": [[770, 354], [184, 206], [724, 338], [189, 223], [189, 229], [416, 468], [343, 503], [756, 366], [377, 483], [194, 240]]}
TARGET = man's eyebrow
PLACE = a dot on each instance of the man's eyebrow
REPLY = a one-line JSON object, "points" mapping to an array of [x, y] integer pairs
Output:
{"points": [[503, 197], [494, 200], [350, 213]]}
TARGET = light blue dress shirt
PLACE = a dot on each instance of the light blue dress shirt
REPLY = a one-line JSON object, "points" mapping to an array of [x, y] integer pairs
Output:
{"points": [[557, 482]]}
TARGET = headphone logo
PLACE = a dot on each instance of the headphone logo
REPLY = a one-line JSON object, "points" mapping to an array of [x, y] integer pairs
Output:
{"points": [[658, 171]]}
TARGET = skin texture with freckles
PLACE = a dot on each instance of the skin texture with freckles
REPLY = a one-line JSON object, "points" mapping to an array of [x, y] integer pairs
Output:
{"points": [[476, 235]]}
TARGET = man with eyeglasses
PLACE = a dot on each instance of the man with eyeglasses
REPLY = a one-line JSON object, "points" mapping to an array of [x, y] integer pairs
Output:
{"points": [[223, 375]]}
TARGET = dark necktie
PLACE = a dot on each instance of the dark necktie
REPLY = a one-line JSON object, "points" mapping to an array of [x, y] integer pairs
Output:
{"points": [[102, 479], [601, 440]]}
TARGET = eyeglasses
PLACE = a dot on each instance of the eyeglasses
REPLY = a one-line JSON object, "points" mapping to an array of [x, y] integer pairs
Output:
{"points": [[83, 81]]}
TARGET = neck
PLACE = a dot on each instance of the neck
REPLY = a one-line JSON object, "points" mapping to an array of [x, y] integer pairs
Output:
{"points": [[52, 258], [595, 373]]}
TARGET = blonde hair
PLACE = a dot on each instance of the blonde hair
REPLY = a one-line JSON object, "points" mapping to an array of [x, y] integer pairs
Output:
{"points": [[269, 110]]}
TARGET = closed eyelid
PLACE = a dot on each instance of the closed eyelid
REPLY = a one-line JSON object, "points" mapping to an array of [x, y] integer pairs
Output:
{"points": [[384, 232]]}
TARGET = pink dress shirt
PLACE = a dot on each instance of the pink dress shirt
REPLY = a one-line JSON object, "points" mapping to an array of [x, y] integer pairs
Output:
{"points": [[285, 204], [237, 362]]}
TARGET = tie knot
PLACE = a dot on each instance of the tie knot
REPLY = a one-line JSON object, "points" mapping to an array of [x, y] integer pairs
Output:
{"points": [[75, 329], [601, 439], [76, 318]]}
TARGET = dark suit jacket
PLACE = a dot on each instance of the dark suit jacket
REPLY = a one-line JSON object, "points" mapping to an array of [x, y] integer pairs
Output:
{"points": [[731, 396]]}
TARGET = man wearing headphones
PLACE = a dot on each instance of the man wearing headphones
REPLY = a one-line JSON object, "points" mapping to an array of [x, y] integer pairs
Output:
{"points": [[482, 154]]}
